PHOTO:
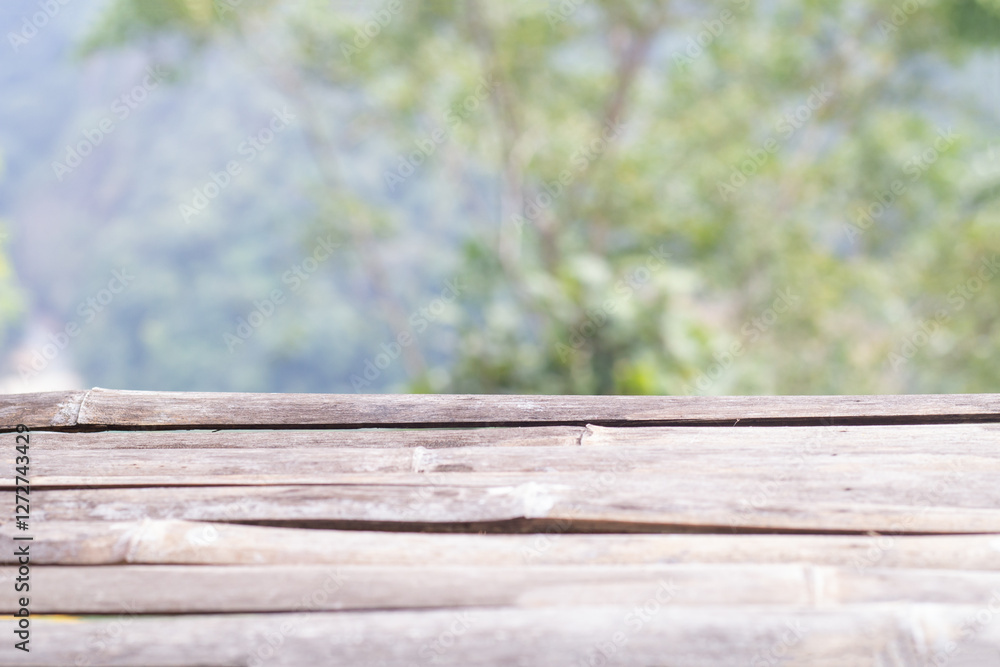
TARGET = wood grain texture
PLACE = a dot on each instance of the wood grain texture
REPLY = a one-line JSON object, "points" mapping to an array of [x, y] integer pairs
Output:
{"points": [[174, 589], [807, 499], [767, 455], [679, 636], [135, 409], [156, 542], [507, 530], [896, 438], [54, 409], [53, 442]]}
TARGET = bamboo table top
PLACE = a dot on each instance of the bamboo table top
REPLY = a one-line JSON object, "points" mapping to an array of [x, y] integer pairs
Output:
{"points": [[300, 529]]}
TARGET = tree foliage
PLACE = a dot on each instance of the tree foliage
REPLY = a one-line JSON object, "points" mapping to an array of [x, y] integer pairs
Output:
{"points": [[640, 196]]}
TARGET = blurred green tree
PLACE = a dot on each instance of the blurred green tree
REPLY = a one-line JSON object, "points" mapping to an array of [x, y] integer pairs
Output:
{"points": [[661, 197]]}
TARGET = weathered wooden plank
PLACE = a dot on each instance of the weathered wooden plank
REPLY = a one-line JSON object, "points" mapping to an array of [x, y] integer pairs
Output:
{"points": [[193, 589], [77, 459], [133, 409], [899, 439], [187, 542], [809, 498], [53, 409], [923, 438], [655, 633], [516, 436], [556, 598], [169, 589], [790, 454]]}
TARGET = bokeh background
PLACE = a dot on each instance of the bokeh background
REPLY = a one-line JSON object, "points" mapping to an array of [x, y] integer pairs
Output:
{"points": [[585, 196]]}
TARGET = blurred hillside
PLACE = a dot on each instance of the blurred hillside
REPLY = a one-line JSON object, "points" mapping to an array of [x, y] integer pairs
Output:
{"points": [[567, 197]]}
